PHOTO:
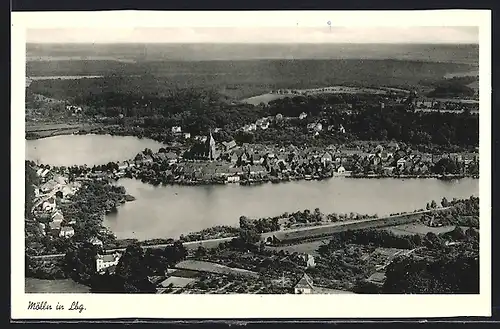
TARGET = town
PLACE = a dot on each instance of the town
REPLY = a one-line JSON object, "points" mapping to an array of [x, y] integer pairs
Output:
{"points": [[321, 177]]}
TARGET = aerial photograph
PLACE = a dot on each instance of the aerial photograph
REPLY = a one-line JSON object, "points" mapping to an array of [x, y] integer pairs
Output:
{"points": [[336, 160]]}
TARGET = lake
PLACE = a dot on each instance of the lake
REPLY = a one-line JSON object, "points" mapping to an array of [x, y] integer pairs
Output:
{"points": [[67, 150], [168, 211]]}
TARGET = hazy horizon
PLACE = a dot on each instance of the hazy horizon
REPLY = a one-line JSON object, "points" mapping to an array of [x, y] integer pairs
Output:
{"points": [[260, 35], [145, 51]]}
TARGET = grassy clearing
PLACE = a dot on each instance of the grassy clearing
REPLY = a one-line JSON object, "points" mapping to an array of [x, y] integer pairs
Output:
{"points": [[418, 228], [306, 248], [202, 266]]}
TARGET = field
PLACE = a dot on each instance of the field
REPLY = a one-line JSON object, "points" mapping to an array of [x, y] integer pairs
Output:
{"points": [[306, 248], [202, 266], [265, 98], [53, 286], [177, 282], [418, 228]]}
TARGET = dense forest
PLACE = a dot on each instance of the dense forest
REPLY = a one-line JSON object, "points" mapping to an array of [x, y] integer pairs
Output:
{"points": [[149, 77], [455, 87], [199, 110]]}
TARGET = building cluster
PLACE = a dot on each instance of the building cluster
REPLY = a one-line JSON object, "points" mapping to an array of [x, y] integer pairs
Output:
{"points": [[46, 211], [394, 160], [446, 106], [262, 124], [74, 109]]}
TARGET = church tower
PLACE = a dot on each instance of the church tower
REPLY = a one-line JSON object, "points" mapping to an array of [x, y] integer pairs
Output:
{"points": [[210, 146]]}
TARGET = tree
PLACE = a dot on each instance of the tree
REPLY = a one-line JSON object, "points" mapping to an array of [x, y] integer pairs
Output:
{"points": [[445, 203], [200, 252], [131, 265], [175, 253], [81, 262], [433, 204], [432, 241], [249, 236]]}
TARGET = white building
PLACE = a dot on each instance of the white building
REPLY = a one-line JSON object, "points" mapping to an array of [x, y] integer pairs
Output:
{"points": [[105, 261], [49, 205], [176, 129], [66, 232], [233, 179], [57, 217], [95, 241], [309, 259], [303, 115]]}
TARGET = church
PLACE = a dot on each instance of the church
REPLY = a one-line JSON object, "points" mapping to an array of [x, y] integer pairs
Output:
{"points": [[210, 150]]}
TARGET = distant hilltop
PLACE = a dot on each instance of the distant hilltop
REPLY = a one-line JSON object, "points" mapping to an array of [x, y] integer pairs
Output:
{"points": [[459, 53]]}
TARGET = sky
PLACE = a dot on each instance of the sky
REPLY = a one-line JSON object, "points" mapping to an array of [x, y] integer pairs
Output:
{"points": [[452, 35]]}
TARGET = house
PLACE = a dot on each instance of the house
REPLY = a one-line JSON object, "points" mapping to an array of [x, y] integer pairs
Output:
{"points": [[304, 285], [388, 171], [170, 157], [42, 172], [393, 146], [303, 115], [228, 146], [105, 261], [55, 227], [341, 170], [250, 127], [122, 166], [317, 127], [326, 158], [176, 130], [95, 241], [66, 232], [245, 157], [456, 157], [401, 163], [202, 139], [264, 125], [42, 228], [257, 158], [309, 259], [49, 186], [342, 129], [256, 169], [376, 160], [187, 135], [49, 205], [147, 159], [233, 179], [57, 217]]}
